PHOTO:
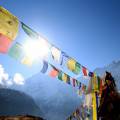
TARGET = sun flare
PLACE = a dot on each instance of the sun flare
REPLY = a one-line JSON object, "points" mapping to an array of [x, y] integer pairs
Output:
{"points": [[36, 49]]}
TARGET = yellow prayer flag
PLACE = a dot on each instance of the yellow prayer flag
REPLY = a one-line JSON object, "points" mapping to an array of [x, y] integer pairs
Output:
{"points": [[64, 77], [27, 61], [94, 106], [8, 24], [71, 64], [95, 82]]}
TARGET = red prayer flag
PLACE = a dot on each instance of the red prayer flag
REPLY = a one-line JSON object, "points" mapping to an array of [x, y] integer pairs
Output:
{"points": [[74, 80], [4, 43], [84, 71], [101, 86], [54, 72]]}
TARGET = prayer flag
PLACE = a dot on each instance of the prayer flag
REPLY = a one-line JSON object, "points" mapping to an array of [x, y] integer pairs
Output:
{"points": [[45, 67], [56, 53], [5, 43], [101, 86], [60, 75], [71, 63], [64, 77], [54, 72], [30, 32], [84, 70], [79, 85], [95, 82], [16, 51], [90, 74], [89, 88], [77, 68], [83, 87], [94, 106], [74, 82], [64, 58], [68, 79], [27, 61], [8, 24]]}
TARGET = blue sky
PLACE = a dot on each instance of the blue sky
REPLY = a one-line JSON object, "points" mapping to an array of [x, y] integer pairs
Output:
{"points": [[88, 31]]}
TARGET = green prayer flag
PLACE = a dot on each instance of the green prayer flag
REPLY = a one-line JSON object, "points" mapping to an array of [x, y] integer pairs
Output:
{"points": [[16, 51], [60, 75], [77, 68], [31, 33]]}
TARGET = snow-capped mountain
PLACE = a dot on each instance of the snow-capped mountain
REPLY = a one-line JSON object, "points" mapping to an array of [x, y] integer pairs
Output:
{"points": [[114, 68], [56, 99]]}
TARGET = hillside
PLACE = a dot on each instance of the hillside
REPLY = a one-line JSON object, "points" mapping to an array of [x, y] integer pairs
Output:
{"points": [[13, 103]]}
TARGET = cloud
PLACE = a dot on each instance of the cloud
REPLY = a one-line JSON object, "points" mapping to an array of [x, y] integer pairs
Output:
{"points": [[6, 81], [18, 79], [3, 76]]}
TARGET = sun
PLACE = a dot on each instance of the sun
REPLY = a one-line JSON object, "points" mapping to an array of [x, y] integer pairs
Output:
{"points": [[36, 49]]}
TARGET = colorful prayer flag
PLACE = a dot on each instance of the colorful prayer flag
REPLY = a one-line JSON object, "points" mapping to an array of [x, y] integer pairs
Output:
{"points": [[54, 72], [8, 24], [30, 32], [94, 106], [27, 61], [95, 82], [16, 51], [5, 43], [84, 70], [45, 67], [64, 77], [82, 87], [77, 68], [64, 58], [91, 74], [79, 85], [101, 86], [90, 85], [68, 79], [60, 75], [74, 82], [71, 63], [56, 53]]}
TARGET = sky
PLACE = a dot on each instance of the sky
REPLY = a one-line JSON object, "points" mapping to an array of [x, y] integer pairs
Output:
{"points": [[88, 31]]}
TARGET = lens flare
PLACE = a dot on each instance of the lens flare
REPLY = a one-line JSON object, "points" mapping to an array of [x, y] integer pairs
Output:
{"points": [[36, 49]]}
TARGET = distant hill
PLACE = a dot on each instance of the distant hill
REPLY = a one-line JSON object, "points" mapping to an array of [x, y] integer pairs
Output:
{"points": [[114, 68], [56, 99], [13, 103]]}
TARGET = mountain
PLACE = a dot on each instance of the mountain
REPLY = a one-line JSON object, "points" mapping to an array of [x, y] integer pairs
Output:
{"points": [[56, 99], [13, 103], [114, 68]]}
